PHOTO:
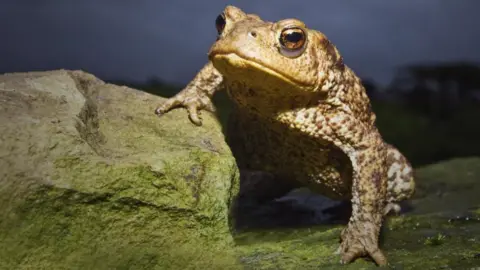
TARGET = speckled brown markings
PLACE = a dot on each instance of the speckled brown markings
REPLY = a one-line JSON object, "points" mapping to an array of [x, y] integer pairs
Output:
{"points": [[301, 114]]}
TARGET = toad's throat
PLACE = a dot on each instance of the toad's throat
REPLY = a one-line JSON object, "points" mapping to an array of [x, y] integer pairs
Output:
{"points": [[266, 103], [232, 64]]}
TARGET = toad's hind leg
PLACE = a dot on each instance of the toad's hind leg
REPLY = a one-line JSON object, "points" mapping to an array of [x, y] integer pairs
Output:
{"points": [[401, 184]]}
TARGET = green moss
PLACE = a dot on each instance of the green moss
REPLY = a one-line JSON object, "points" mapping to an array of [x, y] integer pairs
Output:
{"points": [[185, 182], [435, 240], [289, 249], [72, 230], [406, 241], [101, 216]]}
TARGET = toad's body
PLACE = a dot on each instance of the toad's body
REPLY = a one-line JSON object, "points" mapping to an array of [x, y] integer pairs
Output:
{"points": [[302, 115]]}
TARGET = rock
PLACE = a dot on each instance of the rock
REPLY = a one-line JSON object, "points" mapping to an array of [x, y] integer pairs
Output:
{"points": [[92, 179]]}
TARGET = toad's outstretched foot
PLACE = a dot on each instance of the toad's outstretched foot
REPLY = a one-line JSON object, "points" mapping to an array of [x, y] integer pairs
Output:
{"points": [[196, 95], [193, 104]]}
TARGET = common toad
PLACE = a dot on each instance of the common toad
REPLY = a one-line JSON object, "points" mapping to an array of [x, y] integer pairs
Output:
{"points": [[303, 115]]}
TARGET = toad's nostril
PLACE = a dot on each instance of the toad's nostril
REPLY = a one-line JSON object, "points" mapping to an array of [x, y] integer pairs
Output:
{"points": [[252, 34]]}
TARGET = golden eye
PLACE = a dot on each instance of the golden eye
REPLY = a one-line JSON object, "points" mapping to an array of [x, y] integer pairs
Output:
{"points": [[220, 23], [293, 38]]}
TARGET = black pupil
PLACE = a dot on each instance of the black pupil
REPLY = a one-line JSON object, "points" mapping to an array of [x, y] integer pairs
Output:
{"points": [[294, 37], [220, 22]]}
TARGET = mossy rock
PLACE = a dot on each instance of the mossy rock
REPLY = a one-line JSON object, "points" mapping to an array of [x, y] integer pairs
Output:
{"points": [[92, 179]]}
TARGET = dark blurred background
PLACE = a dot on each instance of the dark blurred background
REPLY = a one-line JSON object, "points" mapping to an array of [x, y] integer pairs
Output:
{"points": [[419, 60]]}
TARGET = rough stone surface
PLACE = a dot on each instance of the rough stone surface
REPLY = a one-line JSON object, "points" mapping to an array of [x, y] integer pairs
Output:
{"points": [[90, 178]]}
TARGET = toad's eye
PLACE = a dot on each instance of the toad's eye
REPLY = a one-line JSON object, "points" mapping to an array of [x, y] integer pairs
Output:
{"points": [[292, 41], [220, 23]]}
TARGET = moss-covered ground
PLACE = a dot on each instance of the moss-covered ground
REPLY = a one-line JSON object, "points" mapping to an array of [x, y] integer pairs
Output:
{"points": [[440, 229]]}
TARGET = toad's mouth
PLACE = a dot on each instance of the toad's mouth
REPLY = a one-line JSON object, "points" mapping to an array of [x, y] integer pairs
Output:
{"points": [[234, 64]]}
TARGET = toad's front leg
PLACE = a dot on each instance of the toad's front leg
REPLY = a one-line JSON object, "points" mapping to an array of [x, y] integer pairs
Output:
{"points": [[369, 189], [367, 152], [196, 95]]}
